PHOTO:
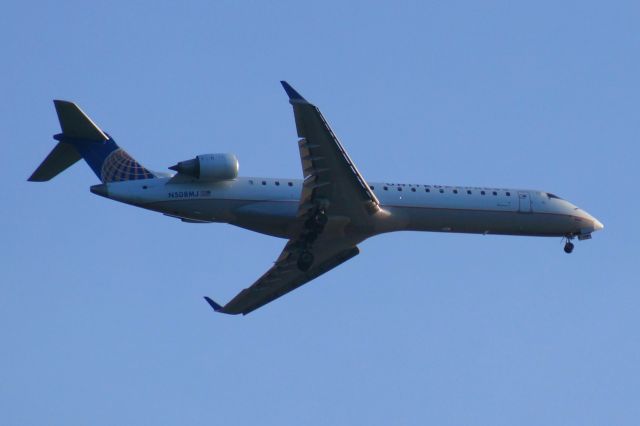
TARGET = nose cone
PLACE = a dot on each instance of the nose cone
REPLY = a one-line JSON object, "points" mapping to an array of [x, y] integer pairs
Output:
{"points": [[100, 190], [597, 225]]}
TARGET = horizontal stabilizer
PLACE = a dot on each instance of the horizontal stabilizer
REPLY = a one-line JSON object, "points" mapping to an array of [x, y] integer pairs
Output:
{"points": [[62, 157], [76, 124]]}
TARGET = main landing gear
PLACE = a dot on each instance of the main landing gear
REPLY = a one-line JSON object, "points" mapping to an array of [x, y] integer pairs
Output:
{"points": [[314, 227]]}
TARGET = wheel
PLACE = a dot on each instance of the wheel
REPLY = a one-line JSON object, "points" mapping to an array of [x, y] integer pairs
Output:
{"points": [[305, 260], [568, 247]]}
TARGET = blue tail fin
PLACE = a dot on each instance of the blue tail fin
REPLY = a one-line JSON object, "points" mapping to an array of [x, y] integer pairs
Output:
{"points": [[82, 138]]}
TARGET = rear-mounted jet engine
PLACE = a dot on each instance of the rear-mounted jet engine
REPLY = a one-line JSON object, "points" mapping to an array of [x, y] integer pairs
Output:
{"points": [[209, 167]]}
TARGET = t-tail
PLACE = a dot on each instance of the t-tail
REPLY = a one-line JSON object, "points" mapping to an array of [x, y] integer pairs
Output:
{"points": [[82, 138]]}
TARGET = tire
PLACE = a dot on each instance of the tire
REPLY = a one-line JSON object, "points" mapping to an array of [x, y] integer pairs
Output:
{"points": [[568, 248], [305, 260]]}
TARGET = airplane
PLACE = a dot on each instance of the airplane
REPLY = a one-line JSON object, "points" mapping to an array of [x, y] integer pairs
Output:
{"points": [[323, 216]]}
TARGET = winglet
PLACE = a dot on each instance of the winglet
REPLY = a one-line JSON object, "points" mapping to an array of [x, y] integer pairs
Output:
{"points": [[294, 97], [213, 304]]}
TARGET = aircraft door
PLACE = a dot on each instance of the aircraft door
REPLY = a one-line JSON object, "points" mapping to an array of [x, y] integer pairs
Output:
{"points": [[524, 202]]}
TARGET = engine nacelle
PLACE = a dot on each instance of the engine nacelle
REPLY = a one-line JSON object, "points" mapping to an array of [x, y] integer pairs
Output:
{"points": [[210, 167]]}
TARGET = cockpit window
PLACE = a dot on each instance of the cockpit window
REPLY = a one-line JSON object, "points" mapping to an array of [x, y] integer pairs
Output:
{"points": [[550, 195]]}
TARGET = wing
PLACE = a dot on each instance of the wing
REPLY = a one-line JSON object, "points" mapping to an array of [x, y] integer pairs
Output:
{"points": [[285, 276], [330, 177], [334, 195]]}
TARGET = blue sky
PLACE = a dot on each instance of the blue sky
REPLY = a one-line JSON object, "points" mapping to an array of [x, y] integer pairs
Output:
{"points": [[101, 305]]}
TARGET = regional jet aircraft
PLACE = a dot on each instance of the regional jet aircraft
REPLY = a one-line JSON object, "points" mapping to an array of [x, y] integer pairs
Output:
{"points": [[323, 216]]}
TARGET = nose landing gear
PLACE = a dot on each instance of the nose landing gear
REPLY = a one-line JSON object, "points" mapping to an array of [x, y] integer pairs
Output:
{"points": [[568, 247]]}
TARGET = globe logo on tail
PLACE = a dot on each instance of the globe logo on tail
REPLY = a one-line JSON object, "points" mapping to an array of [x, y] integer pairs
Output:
{"points": [[120, 166]]}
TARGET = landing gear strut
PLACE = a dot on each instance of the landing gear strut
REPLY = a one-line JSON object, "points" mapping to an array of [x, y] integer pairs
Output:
{"points": [[321, 219], [317, 221]]}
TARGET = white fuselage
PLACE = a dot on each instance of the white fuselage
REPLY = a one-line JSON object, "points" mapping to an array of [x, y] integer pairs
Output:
{"points": [[269, 206]]}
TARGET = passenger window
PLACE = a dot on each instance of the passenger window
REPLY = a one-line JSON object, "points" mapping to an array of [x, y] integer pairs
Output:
{"points": [[277, 183], [508, 194], [250, 182], [264, 182], [442, 191], [385, 188], [413, 190], [495, 193], [469, 191], [290, 183], [399, 189], [482, 192], [455, 191], [427, 190]]}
